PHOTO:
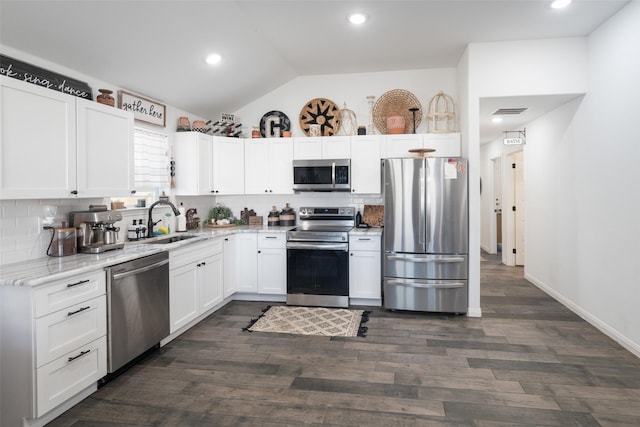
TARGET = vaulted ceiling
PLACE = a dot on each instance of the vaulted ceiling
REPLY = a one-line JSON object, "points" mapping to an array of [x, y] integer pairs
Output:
{"points": [[158, 48]]}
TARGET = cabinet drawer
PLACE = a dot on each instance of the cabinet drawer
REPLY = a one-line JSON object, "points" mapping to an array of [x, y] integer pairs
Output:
{"points": [[272, 240], [364, 243], [62, 331], [194, 253], [70, 374], [64, 293]]}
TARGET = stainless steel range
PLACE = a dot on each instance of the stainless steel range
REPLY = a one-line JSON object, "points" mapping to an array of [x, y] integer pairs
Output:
{"points": [[318, 257]]}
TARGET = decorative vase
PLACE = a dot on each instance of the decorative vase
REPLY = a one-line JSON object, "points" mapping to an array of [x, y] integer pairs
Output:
{"points": [[395, 124], [105, 97], [255, 132], [183, 124], [314, 130]]}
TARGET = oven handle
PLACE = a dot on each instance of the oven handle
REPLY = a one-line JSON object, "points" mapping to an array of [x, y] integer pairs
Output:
{"points": [[319, 246]]}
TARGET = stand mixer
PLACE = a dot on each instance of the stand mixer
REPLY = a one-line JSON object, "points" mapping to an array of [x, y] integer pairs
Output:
{"points": [[96, 232]]}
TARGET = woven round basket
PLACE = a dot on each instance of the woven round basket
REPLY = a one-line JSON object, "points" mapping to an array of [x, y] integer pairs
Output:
{"points": [[323, 112], [396, 101]]}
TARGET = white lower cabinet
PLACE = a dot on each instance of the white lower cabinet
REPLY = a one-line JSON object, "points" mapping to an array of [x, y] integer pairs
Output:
{"points": [[53, 346], [365, 267], [229, 282], [246, 267], [272, 263], [195, 281]]}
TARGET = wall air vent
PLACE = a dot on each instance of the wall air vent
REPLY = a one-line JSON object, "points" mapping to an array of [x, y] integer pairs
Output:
{"points": [[509, 111]]}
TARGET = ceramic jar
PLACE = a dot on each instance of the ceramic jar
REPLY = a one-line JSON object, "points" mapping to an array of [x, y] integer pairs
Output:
{"points": [[274, 217], [287, 216], [395, 124], [183, 124], [314, 130], [105, 97]]}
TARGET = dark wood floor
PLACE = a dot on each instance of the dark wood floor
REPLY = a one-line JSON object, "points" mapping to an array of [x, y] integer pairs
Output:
{"points": [[527, 362]]}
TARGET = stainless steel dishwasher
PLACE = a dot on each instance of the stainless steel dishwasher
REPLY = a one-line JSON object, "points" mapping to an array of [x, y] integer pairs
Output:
{"points": [[137, 308]]}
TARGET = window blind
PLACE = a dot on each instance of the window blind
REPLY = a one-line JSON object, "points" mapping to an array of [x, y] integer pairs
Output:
{"points": [[151, 157]]}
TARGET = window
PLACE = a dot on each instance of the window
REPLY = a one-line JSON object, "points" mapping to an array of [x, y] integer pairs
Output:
{"points": [[152, 167]]}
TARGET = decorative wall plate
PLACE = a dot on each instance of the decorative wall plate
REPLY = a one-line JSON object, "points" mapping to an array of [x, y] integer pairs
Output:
{"points": [[397, 101], [322, 112], [273, 123]]}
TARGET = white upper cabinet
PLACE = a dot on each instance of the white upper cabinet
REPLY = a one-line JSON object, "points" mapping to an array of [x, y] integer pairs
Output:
{"points": [[105, 150], [54, 145], [37, 142], [228, 165], [192, 154], [268, 166], [365, 164], [326, 147], [445, 144]]}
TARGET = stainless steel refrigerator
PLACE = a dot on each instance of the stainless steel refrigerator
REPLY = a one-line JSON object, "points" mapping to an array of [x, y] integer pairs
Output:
{"points": [[426, 234]]}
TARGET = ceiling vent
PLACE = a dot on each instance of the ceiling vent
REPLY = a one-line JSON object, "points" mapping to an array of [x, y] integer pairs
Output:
{"points": [[501, 111]]}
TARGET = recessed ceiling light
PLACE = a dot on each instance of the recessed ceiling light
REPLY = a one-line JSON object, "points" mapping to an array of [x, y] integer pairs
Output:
{"points": [[560, 4], [496, 119], [213, 59], [357, 18]]}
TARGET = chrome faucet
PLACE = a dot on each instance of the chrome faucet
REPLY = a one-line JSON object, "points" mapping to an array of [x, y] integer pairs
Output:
{"points": [[150, 223]]}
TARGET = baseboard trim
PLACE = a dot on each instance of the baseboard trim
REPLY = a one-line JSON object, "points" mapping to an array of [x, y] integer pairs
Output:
{"points": [[603, 327]]}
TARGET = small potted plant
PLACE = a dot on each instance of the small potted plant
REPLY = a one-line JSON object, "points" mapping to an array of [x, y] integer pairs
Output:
{"points": [[220, 214]]}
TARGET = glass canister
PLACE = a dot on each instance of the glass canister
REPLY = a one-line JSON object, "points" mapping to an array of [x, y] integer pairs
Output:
{"points": [[274, 217], [63, 242], [288, 216]]}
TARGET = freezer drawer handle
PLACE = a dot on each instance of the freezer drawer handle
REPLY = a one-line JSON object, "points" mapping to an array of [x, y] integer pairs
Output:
{"points": [[71, 313], [427, 285], [82, 353], [414, 259]]}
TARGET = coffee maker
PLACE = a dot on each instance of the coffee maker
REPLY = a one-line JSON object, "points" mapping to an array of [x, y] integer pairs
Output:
{"points": [[95, 230]]}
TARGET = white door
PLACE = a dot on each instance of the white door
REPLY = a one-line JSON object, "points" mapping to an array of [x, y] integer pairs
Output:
{"points": [[518, 197]]}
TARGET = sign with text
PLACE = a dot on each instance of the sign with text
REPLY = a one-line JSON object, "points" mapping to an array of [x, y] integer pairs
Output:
{"points": [[143, 109], [513, 141], [16, 69]]}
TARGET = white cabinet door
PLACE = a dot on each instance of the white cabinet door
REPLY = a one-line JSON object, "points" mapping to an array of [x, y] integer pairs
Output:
{"points": [[104, 150], [268, 167], [272, 271], [399, 145], [256, 166], [280, 164], [228, 165], [364, 274], [365, 266], [307, 148], [445, 144], [336, 147], [183, 296], [230, 282], [192, 151], [247, 262], [37, 141], [210, 281], [366, 177]]}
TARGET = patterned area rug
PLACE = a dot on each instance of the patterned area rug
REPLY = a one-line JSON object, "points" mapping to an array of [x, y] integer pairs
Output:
{"points": [[331, 322]]}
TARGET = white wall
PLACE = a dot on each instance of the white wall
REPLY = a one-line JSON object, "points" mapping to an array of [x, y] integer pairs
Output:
{"points": [[350, 88], [583, 204]]}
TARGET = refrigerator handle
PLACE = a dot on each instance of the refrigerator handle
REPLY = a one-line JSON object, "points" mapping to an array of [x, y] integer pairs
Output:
{"points": [[422, 231]]}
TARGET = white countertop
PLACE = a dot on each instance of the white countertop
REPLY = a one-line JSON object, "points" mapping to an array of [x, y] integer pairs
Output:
{"points": [[46, 269]]}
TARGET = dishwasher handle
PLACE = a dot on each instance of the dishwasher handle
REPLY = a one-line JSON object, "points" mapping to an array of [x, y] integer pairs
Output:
{"points": [[140, 270]]}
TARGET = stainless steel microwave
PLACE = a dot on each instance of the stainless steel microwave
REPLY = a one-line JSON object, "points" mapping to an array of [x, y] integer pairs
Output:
{"points": [[322, 175]]}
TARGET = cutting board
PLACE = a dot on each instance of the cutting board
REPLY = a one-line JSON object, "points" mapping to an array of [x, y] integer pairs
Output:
{"points": [[373, 215]]}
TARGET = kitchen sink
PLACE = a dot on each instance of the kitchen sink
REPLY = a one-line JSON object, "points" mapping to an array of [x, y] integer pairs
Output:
{"points": [[168, 240]]}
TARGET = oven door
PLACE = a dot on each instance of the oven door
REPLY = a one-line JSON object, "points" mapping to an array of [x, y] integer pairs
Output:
{"points": [[317, 269]]}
